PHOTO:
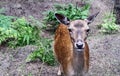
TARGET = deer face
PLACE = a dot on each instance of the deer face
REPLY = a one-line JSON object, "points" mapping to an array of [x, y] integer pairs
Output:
{"points": [[78, 29]]}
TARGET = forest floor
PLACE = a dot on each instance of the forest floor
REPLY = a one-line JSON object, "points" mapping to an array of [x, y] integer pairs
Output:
{"points": [[104, 49]]}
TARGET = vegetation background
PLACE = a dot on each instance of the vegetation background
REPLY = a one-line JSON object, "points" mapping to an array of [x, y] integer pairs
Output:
{"points": [[27, 30]]}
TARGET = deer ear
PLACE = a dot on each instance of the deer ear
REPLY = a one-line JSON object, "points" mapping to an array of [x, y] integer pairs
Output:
{"points": [[91, 18], [62, 19]]}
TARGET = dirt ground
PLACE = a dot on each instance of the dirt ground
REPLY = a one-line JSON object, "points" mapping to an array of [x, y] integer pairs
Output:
{"points": [[104, 49]]}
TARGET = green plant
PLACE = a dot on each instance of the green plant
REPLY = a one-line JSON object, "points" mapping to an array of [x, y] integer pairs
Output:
{"points": [[17, 31], [109, 26], [6, 31], [44, 52], [27, 34], [71, 11]]}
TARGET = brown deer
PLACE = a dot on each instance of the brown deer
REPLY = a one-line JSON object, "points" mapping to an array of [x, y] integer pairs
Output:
{"points": [[70, 46]]}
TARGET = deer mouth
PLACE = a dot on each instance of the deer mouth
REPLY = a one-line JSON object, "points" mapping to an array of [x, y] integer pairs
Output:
{"points": [[79, 50]]}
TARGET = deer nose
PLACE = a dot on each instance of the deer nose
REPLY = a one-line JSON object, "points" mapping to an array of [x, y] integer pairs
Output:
{"points": [[79, 44]]}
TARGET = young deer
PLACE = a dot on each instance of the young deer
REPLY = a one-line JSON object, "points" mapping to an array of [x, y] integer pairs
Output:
{"points": [[70, 46]]}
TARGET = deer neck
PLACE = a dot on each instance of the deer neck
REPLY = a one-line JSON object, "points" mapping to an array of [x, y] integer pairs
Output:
{"points": [[78, 60]]}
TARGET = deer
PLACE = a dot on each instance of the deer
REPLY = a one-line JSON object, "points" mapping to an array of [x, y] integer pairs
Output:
{"points": [[70, 46]]}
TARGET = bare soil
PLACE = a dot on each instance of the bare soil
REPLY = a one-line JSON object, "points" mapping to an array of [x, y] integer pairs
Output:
{"points": [[104, 49]]}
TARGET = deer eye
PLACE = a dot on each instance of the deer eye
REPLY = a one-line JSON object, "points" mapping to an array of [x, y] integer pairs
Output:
{"points": [[87, 30], [70, 30]]}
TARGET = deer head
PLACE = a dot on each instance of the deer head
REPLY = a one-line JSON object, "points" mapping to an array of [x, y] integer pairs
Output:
{"points": [[78, 29]]}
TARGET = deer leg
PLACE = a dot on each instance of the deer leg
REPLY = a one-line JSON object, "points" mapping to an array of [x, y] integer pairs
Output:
{"points": [[60, 71], [86, 64], [86, 58], [69, 70]]}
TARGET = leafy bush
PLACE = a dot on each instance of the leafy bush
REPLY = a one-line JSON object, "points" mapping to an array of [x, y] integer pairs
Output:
{"points": [[6, 31], [17, 32], [27, 34], [70, 11], [44, 52], [109, 26]]}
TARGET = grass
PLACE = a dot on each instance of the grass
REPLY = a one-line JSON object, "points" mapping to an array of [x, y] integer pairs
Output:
{"points": [[109, 26]]}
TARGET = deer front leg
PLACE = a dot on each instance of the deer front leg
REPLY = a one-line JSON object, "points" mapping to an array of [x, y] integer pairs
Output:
{"points": [[86, 57], [60, 71], [86, 64], [68, 70]]}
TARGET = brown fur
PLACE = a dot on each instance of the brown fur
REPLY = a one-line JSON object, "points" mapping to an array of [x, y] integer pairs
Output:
{"points": [[63, 47], [72, 62], [86, 57]]}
